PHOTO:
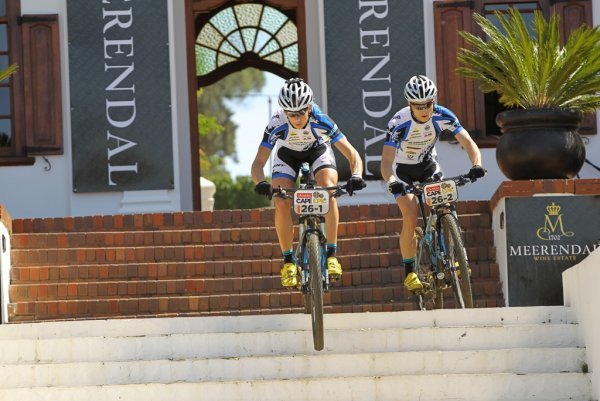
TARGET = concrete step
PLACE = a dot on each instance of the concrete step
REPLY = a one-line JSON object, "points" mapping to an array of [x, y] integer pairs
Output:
{"points": [[466, 387], [479, 354]]}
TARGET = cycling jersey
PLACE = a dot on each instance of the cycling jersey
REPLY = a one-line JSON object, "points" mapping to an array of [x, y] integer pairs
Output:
{"points": [[414, 141], [319, 129]]}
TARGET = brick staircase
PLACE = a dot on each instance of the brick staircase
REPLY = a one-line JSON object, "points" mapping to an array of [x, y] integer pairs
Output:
{"points": [[214, 263]]}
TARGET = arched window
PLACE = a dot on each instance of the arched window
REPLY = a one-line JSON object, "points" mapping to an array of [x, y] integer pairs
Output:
{"points": [[244, 35]]}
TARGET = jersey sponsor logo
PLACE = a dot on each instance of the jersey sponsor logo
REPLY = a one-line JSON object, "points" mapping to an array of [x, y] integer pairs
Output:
{"points": [[304, 195]]}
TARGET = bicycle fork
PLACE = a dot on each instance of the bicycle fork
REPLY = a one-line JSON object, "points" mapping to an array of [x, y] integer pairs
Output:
{"points": [[301, 254], [448, 267]]}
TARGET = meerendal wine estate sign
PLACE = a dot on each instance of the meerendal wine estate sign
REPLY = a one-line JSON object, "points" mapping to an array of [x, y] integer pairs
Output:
{"points": [[119, 78], [545, 236]]}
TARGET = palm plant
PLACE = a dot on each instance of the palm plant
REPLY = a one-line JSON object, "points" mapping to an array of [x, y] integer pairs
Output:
{"points": [[8, 72], [534, 71]]}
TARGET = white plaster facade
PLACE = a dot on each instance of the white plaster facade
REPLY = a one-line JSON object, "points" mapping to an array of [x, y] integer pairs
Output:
{"points": [[36, 191]]}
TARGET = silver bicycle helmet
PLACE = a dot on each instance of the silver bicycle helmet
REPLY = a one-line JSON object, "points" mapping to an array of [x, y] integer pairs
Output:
{"points": [[420, 89], [295, 95]]}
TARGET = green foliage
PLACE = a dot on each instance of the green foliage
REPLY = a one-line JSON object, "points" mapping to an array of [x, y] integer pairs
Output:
{"points": [[534, 71], [217, 139], [238, 194], [217, 130], [8, 72]]}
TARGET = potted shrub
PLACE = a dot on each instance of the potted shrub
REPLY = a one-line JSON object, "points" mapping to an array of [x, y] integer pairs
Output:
{"points": [[547, 86]]}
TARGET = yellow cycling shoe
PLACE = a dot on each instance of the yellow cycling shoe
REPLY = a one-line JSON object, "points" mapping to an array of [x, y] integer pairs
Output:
{"points": [[334, 268], [289, 275], [456, 265], [412, 282]]}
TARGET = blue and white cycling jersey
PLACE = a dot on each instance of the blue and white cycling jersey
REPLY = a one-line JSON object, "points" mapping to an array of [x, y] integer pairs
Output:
{"points": [[320, 129], [415, 142]]}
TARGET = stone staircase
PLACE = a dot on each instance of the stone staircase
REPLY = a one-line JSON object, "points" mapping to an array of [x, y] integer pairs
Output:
{"points": [[480, 354], [214, 263]]}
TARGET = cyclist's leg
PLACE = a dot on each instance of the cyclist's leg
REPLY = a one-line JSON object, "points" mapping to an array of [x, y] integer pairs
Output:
{"points": [[410, 212], [283, 215], [409, 209], [326, 175], [284, 176]]}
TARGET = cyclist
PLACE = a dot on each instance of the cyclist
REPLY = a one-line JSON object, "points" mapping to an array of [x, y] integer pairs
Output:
{"points": [[300, 132], [409, 155]]}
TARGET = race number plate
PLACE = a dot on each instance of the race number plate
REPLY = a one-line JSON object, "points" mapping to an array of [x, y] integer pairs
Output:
{"points": [[311, 201], [440, 193]]}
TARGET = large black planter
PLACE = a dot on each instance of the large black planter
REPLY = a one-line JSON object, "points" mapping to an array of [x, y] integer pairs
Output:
{"points": [[539, 144]]}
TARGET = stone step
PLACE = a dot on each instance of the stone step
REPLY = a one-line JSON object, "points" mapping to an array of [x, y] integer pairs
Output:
{"points": [[185, 368], [465, 387], [478, 354], [256, 324]]}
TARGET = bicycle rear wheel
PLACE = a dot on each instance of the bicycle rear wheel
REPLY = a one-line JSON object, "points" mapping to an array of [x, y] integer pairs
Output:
{"points": [[457, 257], [316, 290]]}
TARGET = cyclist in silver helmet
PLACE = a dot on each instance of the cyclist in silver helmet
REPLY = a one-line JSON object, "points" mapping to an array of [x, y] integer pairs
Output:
{"points": [[409, 155], [300, 132]]}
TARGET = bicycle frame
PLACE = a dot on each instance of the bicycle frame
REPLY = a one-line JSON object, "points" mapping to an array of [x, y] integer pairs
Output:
{"points": [[431, 232], [311, 224], [442, 270]]}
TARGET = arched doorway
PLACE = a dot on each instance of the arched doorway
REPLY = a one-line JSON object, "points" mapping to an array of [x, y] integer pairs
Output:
{"points": [[225, 36]]}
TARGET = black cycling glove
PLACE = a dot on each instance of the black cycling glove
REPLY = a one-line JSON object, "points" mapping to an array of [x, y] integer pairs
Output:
{"points": [[476, 172], [263, 188], [355, 183], [396, 188]]}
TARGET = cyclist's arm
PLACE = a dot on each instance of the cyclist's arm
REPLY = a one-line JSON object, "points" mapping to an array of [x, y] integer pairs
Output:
{"points": [[387, 162], [356, 165], [470, 146], [258, 164]]}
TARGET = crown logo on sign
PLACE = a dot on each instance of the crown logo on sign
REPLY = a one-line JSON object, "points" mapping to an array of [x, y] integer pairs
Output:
{"points": [[553, 209]]}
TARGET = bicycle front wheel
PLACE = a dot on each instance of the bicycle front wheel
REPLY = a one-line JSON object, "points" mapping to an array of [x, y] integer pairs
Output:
{"points": [[457, 257], [316, 290], [431, 297]]}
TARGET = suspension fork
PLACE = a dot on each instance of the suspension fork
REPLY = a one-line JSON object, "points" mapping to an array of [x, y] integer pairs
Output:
{"points": [[442, 211], [311, 226]]}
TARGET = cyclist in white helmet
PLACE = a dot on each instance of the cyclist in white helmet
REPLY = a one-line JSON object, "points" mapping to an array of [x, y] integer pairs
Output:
{"points": [[409, 155], [300, 132]]}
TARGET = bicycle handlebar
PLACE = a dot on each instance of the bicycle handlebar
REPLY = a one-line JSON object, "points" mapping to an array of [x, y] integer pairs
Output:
{"points": [[417, 188], [285, 193]]}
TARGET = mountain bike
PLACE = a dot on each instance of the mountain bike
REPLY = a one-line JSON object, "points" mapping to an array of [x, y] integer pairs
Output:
{"points": [[441, 259], [311, 204]]}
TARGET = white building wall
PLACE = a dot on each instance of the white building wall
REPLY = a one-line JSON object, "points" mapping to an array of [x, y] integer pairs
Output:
{"points": [[45, 189]]}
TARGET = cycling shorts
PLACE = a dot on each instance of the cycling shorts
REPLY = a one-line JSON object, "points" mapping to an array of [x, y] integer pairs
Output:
{"points": [[420, 172], [287, 162]]}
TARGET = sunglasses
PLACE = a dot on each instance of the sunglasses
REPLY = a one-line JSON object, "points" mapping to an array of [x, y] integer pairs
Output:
{"points": [[423, 106], [296, 113]]}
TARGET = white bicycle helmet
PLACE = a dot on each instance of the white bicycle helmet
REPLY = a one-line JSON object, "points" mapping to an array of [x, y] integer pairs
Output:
{"points": [[295, 95], [420, 89]]}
